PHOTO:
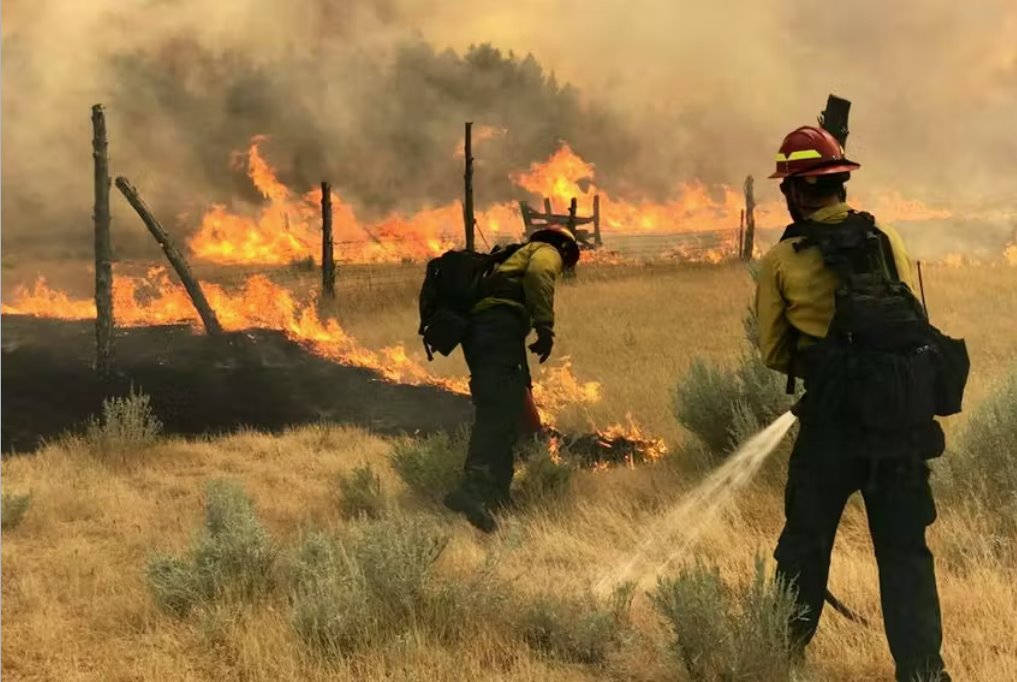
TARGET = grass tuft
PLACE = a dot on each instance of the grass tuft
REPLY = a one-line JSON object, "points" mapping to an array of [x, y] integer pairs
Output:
{"points": [[361, 495], [430, 466], [128, 426], [13, 509], [576, 630], [232, 558], [725, 634]]}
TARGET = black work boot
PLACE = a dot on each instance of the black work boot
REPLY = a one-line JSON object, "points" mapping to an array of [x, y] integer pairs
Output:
{"points": [[472, 507]]}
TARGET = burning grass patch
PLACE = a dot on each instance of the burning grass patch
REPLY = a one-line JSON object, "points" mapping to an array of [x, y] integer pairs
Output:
{"points": [[233, 558], [721, 633]]}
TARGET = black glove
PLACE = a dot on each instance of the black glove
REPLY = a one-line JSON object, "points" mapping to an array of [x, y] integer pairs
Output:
{"points": [[544, 343]]}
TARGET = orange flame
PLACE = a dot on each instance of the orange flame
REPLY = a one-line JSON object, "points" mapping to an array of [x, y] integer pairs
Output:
{"points": [[287, 228], [261, 303], [695, 207]]}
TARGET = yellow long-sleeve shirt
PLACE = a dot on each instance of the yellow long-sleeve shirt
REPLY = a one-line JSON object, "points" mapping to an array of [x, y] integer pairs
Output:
{"points": [[535, 267], [796, 290]]}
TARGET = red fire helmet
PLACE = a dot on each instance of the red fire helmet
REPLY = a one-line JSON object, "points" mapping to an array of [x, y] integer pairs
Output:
{"points": [[810, 151]]}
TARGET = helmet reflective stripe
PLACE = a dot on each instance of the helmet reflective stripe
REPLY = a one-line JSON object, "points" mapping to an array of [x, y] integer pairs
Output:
{"points": [[799, 154]]}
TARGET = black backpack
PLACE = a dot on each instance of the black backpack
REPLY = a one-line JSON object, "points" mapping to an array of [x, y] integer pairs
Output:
{"points": [[882, 365], [453, 283]]}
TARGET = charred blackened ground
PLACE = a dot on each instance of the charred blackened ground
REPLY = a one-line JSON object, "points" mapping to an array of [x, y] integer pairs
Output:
{"points": [[198, 384]]}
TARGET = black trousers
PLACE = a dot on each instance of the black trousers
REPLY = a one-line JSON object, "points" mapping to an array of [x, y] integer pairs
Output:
{"points": [[824, 471], [495, 350]]}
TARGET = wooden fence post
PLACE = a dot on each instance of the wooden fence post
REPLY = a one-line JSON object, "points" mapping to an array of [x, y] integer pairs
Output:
{"points": [[327, 247], [750, 220], [573, 205], [547, 207], [468, 219], [176, 259], [741, 233], [596, 221], [103, 248]]}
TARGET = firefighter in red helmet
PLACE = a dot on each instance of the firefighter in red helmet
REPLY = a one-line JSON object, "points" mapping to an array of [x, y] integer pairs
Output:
{"points": [[851, 439]]}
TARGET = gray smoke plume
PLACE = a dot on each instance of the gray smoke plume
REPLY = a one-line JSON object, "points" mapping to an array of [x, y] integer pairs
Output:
{"points": [[371, 94]]}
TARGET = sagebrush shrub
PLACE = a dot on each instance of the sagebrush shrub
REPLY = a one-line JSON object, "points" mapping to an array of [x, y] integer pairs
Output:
{"points": [[721, 633], [576, 630], [13, 509], [723, 407], [981, 469], [984, 458], [543, 479], [430, 466], [361, 494], [704, 401], [128, 425], [233, 556], [348, 592], [330, 605]]}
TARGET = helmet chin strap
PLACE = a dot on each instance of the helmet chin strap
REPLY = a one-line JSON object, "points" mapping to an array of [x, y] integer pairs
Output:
{"points": [[792, 204], [799, 209]]}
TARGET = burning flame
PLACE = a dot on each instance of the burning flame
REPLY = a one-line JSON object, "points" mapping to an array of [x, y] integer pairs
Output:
{"points": [[287, 227], [695, 207], [261, 303]]}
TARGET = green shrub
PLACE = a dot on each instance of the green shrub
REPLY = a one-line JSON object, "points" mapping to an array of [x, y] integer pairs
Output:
{"points": [[349, 592], [981, 470], [233, 557], [723, 407], [13, 509], [397, 559], [361, 494], [984, 464], [330, 603], [430, 466], [543, 479], [174, 584], [704, 403], [575, 630], [128, 425], [725, 634]]}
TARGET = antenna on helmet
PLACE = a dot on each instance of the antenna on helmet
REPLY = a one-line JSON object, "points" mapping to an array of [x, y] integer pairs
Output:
{"points": [[834, 119]]}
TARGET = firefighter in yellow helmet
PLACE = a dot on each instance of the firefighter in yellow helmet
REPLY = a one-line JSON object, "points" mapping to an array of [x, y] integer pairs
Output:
{"points": [[866, 420], [495, 350]]}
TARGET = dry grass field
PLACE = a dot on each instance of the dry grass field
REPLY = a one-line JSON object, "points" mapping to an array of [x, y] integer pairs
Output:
{"points": [[76, 601]]}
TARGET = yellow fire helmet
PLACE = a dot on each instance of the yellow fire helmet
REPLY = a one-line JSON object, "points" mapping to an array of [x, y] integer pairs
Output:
{"points": [[562, 239]]}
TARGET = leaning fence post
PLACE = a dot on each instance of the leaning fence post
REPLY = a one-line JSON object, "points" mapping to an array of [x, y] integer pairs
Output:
{"points": [[176, 259], [327, 252], [750, 220], [103, 248]]}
